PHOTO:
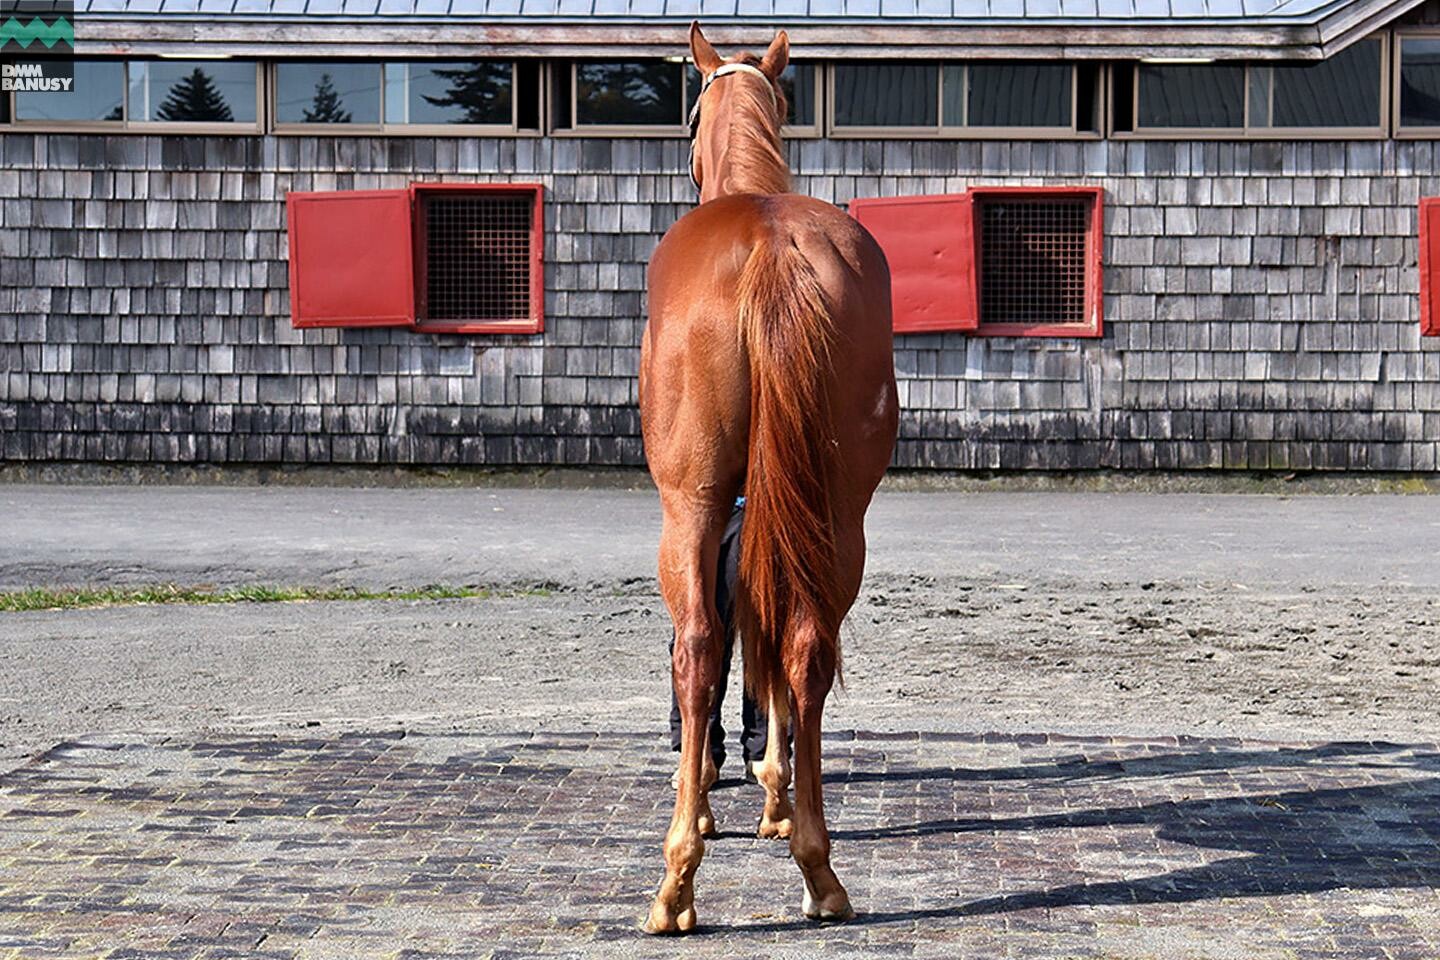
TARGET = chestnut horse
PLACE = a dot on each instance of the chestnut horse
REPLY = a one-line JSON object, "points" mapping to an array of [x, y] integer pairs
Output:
{"points": [[766, 369]]}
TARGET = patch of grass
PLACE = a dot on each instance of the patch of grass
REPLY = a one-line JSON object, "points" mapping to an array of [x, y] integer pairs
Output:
{"points": [[86, 597]]}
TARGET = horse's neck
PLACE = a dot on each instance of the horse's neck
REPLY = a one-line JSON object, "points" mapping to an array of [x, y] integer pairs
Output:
{"points": [[747, 162]]}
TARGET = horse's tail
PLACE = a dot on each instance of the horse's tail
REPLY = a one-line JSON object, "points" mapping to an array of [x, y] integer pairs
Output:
{"points": [[787, 543]]}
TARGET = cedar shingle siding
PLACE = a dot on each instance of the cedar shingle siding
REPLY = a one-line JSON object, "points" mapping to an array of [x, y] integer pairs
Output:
{"points": [[1260, 307]]}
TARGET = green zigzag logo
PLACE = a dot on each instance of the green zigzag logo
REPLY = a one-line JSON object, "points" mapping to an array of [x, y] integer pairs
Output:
{"points": [[13, 31]]}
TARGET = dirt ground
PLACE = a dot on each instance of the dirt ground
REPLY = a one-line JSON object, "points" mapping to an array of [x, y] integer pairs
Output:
{"points": [[920, 653]]}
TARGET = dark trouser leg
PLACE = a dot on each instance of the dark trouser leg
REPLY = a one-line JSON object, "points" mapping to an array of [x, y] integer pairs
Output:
{"points": [[717, 732]]}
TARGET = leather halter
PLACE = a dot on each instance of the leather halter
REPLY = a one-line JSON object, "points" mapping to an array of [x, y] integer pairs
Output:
{"points": [[722, 71]]}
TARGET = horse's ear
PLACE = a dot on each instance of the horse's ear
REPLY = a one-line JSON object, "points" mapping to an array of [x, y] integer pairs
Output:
{"points": [[706, 59], [777, 57]]}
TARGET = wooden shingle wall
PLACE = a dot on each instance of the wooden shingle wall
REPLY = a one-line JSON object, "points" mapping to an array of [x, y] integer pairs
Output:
{"points": [[1260, 308]]}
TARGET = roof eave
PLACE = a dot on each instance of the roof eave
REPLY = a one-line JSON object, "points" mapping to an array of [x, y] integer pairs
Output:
{"points": [[101, 34]]}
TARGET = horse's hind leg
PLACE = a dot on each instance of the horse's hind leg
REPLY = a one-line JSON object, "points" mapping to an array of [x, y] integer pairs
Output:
{"points": [[810, 659], [689, 550], [773, 772]]}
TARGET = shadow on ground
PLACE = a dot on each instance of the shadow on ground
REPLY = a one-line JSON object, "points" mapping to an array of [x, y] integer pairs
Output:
{"points": [[553, 838]]}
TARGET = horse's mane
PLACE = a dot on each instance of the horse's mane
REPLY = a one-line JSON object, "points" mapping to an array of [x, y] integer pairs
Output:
{"points": [[753, 149]]}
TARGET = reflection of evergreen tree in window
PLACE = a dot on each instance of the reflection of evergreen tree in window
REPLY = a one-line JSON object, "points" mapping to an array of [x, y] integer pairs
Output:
{"points": [[325, 108], [481, 91], [196, 99], [117, 114], [632, 92]]}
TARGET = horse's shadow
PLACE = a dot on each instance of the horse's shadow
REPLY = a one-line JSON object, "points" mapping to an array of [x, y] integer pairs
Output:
{"points": [[1379, 835]]}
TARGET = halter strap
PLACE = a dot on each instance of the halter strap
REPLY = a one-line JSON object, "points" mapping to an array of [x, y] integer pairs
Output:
{"points": [[724, 70]]}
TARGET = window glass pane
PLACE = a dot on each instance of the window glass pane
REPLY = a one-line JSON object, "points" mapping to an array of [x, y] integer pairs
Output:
{"points": [[1420, 82], [647, 94], [1191, 95], [798, 82], [448, 92], [886, 94], [952, 80], [98, 93], [1019, 94], [1262, 81], [327, 93], [179, 92], [1343, 91]]}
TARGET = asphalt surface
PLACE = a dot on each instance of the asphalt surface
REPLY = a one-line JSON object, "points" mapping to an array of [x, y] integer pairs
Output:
{"points": [[69, 535]]}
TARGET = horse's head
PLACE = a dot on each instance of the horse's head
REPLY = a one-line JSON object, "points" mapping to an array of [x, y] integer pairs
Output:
{"points": [[738, 115]]}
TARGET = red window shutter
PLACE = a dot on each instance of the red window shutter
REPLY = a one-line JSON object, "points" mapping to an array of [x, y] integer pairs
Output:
{"points": [[351, 259], [1429, 266], [930, 243]]}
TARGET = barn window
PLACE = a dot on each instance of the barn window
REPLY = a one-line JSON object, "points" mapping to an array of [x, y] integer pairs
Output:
{"points": [[478, 93], [438, 258], [409, 97], [174, 91], [629, 94], [1345, 93], [1419, 84], [145, 94], [330, 93], [1021, 261], [656, 96], [1039, 261], [1190, 96], [965, 99], [98, 97]]}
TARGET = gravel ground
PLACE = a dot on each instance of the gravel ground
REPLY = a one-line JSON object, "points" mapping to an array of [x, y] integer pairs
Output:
{"points": [[1308, 617]]}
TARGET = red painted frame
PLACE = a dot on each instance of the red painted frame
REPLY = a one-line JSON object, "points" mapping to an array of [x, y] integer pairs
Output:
{"points": [[535, 323], [1429, 266], [1094, 269]]}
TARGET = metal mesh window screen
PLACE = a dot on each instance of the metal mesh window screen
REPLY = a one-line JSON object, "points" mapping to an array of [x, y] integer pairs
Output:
{"points": [[1032, 260], [478, 257]]}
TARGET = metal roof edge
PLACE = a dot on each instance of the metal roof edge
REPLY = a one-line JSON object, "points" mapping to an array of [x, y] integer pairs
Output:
{"points": [[559, 36], [1352, 22]]}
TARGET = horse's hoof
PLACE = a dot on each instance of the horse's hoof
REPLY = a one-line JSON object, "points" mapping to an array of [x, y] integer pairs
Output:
{"points": [[661, 923], [834, 909], [774, 829]]}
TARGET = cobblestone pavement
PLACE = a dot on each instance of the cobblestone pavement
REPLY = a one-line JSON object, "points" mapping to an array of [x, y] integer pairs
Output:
{"points": [[464, 845]]}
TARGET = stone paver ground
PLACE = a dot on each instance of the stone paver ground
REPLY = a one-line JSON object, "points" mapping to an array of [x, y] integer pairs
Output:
{"points": [[467, 845]]}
